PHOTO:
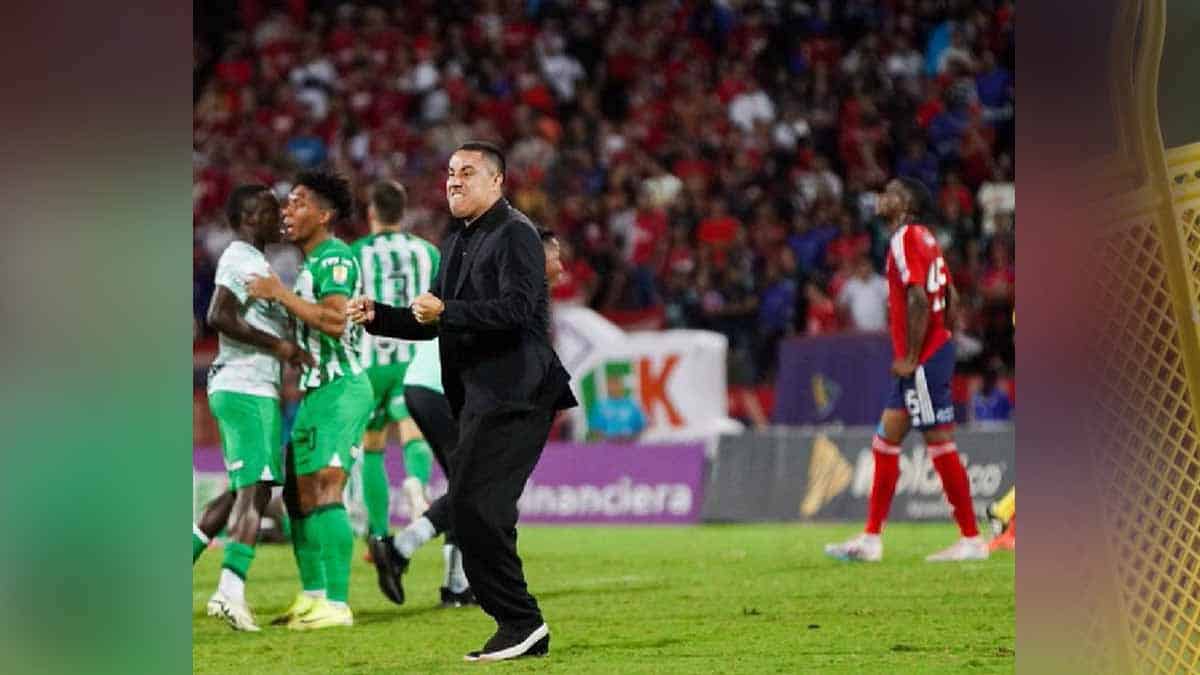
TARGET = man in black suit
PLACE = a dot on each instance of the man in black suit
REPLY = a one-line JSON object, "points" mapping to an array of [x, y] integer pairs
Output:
{"points": [[489, 307]]}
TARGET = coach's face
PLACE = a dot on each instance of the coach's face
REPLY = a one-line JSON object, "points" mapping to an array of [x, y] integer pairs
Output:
{"points": [[473, 184]]}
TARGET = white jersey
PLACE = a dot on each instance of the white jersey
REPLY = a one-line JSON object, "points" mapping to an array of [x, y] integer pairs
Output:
{"points": [[240, 367]]}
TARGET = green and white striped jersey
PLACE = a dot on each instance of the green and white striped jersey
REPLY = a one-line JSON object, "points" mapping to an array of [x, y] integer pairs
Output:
{"points": [[240, 367], [331, 268], [396, 268]]}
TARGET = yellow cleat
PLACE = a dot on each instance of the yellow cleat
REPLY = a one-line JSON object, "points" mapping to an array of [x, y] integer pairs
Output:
{"points": [[324, 614], [303, 604]]}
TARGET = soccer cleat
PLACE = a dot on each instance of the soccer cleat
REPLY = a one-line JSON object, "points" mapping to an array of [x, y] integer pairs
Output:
{"points": [[450, 599], [966, 548], [302, 605], [237, 615], [510, 643], [863, 548], [415, 493], [390, 567], [324, 614], [213, 608]]}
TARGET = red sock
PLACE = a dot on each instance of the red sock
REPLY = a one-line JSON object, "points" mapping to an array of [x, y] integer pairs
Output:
{"points": [[883, 487], [956, 485]]}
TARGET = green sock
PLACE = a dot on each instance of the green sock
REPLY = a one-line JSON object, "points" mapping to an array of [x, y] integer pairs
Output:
{"points": [[375, 492], [285, 526], [307, 547], [418, 459], [337, 546], [238, 557], [199, 543]]}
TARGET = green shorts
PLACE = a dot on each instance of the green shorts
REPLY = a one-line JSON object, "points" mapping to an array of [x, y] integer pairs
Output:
{"points": [[330, 423], [388, 384], [250, 437]]}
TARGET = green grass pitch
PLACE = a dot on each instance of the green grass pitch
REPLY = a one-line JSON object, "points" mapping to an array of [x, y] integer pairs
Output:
{"points": [[730, 598]]}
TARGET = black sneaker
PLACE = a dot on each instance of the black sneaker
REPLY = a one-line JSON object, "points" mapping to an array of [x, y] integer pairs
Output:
{"points": [[390, 566], [451, 599], [511, 643]]}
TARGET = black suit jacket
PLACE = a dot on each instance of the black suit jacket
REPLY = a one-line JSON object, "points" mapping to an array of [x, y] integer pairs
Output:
{"points": [[495, 330]]}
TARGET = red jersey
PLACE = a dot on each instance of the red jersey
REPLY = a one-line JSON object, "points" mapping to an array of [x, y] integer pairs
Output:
{"points": [[915, 259]]}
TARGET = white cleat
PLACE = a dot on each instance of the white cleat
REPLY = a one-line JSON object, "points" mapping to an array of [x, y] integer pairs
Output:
{"points": [[864, 548], [235, 614], [415, 493], [967, 548]]}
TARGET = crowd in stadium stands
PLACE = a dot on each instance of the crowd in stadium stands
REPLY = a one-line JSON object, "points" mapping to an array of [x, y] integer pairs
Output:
{"points": [[709, 164]]}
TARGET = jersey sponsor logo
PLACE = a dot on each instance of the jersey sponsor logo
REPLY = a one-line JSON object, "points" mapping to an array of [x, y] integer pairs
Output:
{"points": [[340, 273]]}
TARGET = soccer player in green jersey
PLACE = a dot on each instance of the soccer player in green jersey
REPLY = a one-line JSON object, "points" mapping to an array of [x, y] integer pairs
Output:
{"points": [[243, 393], [396, 267], [337, 398]]}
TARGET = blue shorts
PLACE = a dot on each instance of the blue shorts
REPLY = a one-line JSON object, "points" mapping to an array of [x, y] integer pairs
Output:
{"points": [[926, 393]]}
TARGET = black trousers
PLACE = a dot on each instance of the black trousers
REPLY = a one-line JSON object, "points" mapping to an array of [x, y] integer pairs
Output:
{"points": [[431, 412], [496, 453]]}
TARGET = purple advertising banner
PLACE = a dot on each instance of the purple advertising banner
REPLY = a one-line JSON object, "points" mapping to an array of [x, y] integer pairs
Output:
{"points": [[828, 379], [578, 483]]}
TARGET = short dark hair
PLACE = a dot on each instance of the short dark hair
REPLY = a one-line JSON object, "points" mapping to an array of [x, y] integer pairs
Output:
{"points": [[389, 199], [919, 198], [490, 150], [237, 202], [330, 187], [547, 235]]}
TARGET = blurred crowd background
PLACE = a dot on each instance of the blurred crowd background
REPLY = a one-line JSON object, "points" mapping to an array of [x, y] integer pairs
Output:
{"points": [[708, 164]]}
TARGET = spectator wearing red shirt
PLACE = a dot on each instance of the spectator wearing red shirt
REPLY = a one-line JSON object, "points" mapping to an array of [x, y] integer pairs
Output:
{"points": [[851, 243], [645, 249], [953, 190], [821, 317], [577, 282], [997, 286], [719, 230]]}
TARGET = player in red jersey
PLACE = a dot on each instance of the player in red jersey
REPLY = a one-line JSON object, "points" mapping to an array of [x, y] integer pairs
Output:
{"points": [[919, 297]]}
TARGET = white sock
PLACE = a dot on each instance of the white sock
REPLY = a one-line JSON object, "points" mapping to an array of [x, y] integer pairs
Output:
{"points": [[232, 586], [414, 536], [315, 594], [339, 604], [870, 537], [456, 579], [200, 533]]}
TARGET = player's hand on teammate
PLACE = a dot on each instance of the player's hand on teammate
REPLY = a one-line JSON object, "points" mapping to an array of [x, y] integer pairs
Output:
{"points": [[427, 308], [289, 352], [904, 367], [361, 309], [265, 288]]}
